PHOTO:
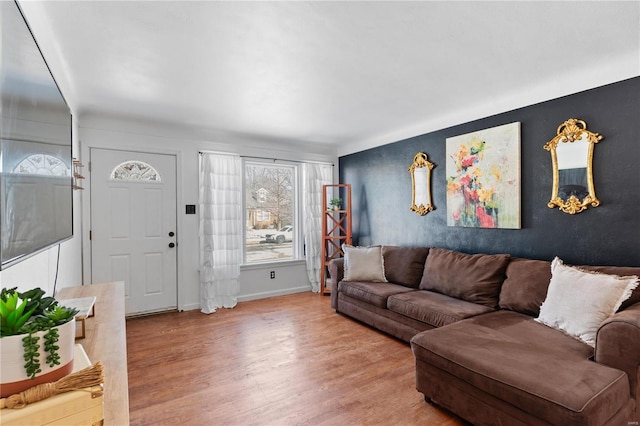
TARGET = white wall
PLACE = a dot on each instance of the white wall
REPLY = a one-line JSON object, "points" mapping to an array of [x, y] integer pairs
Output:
{"points": [[40, 270], [186, 143]]}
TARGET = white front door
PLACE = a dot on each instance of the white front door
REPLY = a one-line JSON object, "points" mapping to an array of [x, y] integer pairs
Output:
{"points": [[133, 226]]}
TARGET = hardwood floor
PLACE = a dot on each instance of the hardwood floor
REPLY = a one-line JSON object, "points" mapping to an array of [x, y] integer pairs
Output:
{"points": [[289, 360]]}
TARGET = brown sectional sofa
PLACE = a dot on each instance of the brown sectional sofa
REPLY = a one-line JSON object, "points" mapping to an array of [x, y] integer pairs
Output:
{"points": [[480, 353]]}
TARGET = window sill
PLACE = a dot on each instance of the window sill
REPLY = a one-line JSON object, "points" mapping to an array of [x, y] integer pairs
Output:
{"points": [[273, 264]]}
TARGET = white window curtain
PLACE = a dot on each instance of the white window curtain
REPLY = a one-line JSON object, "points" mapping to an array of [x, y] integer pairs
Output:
{"points": [[220, 230], [315, 175]]}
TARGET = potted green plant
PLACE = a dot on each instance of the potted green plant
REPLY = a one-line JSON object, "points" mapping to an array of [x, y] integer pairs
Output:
{"points": [[335, 203], [37, 339]]}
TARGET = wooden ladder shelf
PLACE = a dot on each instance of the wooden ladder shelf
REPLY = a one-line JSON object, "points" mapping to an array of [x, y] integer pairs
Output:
{"points": [[336, 229]]}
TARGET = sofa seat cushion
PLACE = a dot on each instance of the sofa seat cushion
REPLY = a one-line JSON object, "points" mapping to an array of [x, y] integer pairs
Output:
{"points": [[433, 308], [373, 293], [524, 363]]}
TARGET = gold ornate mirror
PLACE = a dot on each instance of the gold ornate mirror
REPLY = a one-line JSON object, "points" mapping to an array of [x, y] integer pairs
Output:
{"points": [[421, 184], [572, 155]]}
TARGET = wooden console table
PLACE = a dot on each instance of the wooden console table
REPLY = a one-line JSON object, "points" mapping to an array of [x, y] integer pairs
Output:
{"points": [[106, 341]]}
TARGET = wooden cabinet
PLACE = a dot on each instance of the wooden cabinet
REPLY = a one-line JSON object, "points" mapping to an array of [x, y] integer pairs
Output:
{"points": [[336, 228], [106, 341]]}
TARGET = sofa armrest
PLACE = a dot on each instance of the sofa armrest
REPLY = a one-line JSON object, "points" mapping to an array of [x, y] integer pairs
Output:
{"points": [[618, 345], [336, 272]]}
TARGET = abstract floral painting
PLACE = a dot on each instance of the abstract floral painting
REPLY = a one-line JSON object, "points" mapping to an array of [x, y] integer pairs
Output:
{"points": [[483, 178]]}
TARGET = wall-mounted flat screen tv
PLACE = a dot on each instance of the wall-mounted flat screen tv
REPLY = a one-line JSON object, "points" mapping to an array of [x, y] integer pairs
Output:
{"points": [[36, 199]]}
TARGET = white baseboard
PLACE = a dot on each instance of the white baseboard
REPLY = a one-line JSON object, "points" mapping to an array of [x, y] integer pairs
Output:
{"points": [[255, 296], [189, 307]]}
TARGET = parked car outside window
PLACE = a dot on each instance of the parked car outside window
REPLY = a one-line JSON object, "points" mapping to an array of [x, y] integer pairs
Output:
{"points": [[284, 234]]}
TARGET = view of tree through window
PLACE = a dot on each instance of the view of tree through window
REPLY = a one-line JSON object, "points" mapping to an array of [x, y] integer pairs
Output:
{"points": [[270, 208]]}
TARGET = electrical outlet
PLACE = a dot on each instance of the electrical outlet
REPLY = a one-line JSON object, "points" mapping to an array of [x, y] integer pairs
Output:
{"points": [[272, 274]]}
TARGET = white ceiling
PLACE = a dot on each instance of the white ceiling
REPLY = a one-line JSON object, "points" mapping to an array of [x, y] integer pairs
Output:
{"points": [[348, 74]]}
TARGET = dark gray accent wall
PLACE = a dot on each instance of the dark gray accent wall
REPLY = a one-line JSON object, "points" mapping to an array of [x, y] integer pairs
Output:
{"points": [[605, 235]]}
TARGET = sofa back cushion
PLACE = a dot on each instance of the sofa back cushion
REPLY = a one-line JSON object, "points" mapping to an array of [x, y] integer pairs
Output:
{"points": [[404, 265], [476, 278], [525, 286]]}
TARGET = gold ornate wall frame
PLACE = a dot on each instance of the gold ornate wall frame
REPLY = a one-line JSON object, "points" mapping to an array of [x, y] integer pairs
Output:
{"points": [[571, 151], [420, 172]]}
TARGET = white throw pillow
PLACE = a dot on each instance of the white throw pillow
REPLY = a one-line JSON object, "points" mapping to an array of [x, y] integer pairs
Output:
{"points": [[363, 264], [579, 301]]}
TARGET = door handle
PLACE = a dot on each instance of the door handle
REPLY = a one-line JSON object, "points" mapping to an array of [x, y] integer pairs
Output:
{"points": [[172, 245], [171, 234]]}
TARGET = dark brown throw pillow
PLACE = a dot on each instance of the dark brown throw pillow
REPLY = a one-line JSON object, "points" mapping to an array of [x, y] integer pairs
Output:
{"points": [[525, 287], [404, 265], [476, 278]]}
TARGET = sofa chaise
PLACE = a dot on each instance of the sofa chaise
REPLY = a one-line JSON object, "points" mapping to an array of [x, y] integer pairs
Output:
{"points": [[494, 337]]}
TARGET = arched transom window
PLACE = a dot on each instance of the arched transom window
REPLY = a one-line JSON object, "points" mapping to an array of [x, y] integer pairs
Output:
{"points": [[42, 164], [135, 171]]}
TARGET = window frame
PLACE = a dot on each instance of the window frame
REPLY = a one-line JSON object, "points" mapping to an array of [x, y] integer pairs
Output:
{"points": [[297, 245]]}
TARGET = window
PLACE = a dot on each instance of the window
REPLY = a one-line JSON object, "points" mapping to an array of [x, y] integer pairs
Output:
{"points": [[263, 216], [42, 164], [135, 171], [270, 212]]}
